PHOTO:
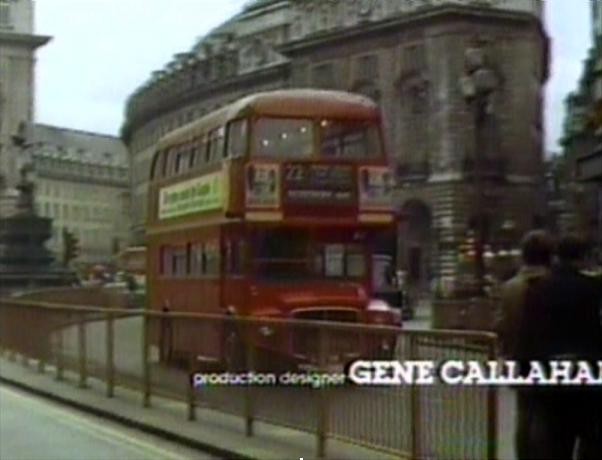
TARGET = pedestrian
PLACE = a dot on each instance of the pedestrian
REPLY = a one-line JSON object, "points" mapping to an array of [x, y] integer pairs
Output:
{"points": [[536, 249], [561, 321]]}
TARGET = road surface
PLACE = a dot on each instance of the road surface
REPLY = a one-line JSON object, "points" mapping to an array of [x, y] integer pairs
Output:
{"points": [[33, 428]]}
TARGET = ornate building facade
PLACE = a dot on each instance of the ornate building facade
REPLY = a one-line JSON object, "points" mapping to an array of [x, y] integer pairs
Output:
{"points": [[418, 60], [582, 141], [17, 64], [82, 184]]}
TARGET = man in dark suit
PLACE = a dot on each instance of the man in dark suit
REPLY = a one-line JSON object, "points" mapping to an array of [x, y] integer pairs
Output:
{"points": [[562, 321]]}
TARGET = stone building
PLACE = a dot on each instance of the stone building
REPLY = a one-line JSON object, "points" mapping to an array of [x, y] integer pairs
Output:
{"points": [[82, 184], [412, 58], [582, 141], [561, 216], [18, 44]]}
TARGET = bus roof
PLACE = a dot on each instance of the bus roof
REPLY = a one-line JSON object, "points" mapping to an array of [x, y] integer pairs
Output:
{"points": [[294, 103]]}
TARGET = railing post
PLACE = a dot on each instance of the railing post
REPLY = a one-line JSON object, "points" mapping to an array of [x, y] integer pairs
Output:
{"points": [[41, 365], [60, 365], [323, 412], [146, 383], [191, 389], [492, 412], [250, 366], [414, 404], [110, 351], [82, 352], [25, 340], [40, 345]]}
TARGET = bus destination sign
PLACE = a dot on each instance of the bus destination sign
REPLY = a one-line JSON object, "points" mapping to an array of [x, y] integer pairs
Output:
{"points": [[318, 184], [201, 194]]}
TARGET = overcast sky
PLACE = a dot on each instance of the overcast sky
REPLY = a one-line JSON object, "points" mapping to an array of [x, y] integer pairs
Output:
{"points": [[104, 49]]}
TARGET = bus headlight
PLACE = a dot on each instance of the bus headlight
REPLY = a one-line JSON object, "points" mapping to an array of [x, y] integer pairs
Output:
{"points": [[378, 305], [380, 312]]}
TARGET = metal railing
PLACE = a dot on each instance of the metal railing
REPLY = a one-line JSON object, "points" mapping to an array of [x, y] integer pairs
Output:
{"points": [[156, 353]]}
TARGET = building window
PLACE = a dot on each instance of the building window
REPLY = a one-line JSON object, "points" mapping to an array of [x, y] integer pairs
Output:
{"points": [[323, 76], [366, 68], [5, 19]]}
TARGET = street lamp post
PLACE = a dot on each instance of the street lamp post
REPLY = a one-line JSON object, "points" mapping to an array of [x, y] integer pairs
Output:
{"points": [[478, 84]]}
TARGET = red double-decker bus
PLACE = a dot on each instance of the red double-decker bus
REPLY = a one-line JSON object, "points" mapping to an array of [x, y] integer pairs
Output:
{"points": [[271, 207]]}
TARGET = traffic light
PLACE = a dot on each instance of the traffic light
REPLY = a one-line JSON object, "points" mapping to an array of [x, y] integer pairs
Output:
{"points": [[70, 245]]}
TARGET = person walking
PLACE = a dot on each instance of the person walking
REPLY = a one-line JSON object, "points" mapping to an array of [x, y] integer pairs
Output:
{"points": [[561, 321], [537, 250]]}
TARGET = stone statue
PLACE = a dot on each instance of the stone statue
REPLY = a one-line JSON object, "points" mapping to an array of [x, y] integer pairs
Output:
{"points": [[25, 200]]}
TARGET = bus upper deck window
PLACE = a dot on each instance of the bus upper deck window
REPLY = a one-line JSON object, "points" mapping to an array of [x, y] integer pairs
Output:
{"points": [[200, 148], [349, 139], [283, 137], [215, 149], [237, 139], [170, 159], [181, 160], [192, 155], [220, 144], [207, 148]]}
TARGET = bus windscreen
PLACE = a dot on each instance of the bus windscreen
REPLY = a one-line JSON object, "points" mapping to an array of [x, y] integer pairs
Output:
{"points": [[284, 137], [294, 138]]}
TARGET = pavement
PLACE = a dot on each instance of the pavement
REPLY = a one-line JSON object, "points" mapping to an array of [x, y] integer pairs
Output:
{"points": [[213, 432]]}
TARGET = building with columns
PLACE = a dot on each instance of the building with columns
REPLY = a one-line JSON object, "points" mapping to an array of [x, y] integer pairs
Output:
{"points": [[18, 44], [418, 60]]}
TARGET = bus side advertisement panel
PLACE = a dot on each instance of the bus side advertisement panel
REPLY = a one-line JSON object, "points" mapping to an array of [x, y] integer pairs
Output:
{"points": [[201, 194]]}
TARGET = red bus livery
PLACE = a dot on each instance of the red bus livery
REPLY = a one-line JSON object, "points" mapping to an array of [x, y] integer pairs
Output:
{"points": [[271, 207]]}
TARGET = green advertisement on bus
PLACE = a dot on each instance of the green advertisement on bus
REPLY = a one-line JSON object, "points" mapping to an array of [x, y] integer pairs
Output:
{"points": [[196, 195]]}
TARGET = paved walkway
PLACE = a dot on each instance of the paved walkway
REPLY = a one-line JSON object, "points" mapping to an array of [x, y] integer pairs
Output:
{"points": [[213, 432]]}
